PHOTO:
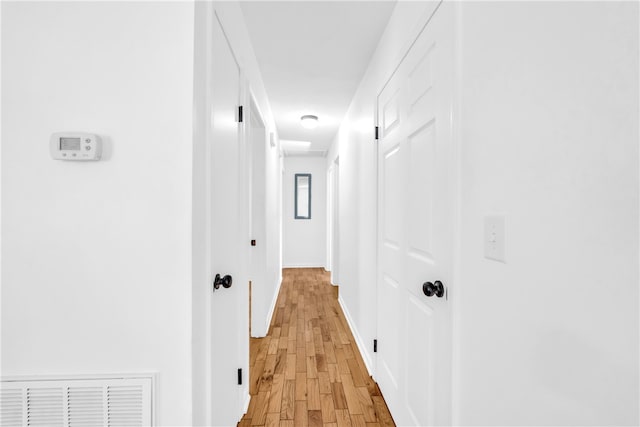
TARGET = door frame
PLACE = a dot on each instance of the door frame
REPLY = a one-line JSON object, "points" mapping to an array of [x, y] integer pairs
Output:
{"points": [[256, 224], [333, 246], [243, 170]]}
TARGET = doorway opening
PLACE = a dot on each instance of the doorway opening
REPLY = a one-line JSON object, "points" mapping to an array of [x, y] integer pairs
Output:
{"points": [[256, 153], [333, 259]]}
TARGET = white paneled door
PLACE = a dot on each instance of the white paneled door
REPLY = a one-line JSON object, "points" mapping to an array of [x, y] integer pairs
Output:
{"points": [[415, 228], [229, 305]]}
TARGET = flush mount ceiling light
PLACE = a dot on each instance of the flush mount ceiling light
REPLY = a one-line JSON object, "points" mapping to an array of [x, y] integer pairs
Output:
{"points": [[309, 121]]}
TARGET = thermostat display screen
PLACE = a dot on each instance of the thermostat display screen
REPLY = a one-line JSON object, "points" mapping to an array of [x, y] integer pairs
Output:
{"points": [[70, 144]]}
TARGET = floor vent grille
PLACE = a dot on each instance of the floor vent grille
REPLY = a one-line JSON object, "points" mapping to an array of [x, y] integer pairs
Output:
{"points": [[108, 402]]}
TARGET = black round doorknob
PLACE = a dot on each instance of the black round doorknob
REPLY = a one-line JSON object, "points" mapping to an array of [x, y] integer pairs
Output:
{"points": [[439, 288], [225, 281], [431, 289]]}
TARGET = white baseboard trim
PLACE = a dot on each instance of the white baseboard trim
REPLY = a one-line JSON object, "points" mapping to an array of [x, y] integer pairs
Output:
{"points": [[261, 329], [302, 266], [366, 356], [247, 399], [272, 308]]}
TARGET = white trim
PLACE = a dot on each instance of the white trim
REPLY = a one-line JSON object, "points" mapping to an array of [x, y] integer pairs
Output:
{"points": [[329, 225], [92, 376], [304, 266], [366, 356], [247, 400], [256, 113], [272, 310], [456, 271]]}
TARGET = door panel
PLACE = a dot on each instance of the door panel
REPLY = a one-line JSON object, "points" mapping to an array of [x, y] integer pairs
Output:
{"points": [[415, 228], [390, 113], [393, 198], [419, 84], [419, 374], [388, 332], [422, 158], [391, 272]]}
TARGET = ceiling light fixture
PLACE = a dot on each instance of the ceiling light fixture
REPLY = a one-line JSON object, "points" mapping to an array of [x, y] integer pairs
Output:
{"points": [[309, 121]]}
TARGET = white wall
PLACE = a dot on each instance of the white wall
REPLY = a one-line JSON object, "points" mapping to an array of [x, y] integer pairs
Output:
{"points": [[103, 262], [549, 115], [305, 240], [549, 136], [96, 273]]}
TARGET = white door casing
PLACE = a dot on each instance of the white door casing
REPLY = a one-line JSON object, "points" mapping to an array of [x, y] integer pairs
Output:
{"points": [[333, 199], [415, 227], [329, 237], [228, 230], [257, 180]]}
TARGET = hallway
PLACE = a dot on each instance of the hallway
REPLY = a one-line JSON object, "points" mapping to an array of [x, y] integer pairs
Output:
{"points": [[179, 176], [308, 370]]}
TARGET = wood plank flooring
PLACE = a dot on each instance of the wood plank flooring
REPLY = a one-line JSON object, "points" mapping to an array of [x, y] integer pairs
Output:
{"points": [[308, 372]]}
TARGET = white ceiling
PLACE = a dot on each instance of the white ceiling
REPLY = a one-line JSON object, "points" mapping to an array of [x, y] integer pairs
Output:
{"points": [[312, 55]]}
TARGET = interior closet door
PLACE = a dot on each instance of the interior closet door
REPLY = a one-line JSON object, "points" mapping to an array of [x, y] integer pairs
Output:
{"points": [[415, 228], [228, 230]]}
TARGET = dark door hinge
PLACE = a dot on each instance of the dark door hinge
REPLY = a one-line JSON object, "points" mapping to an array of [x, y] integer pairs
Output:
{"points": [[375, 346], [240, 376], [253, 243], [240, 114], [376, 132]]}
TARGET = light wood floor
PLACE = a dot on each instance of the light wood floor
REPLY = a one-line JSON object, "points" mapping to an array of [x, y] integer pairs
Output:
{"points": [[308, 370]]}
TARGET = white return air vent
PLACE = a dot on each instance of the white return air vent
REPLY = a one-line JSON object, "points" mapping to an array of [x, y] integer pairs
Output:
{"points": [[108, 402]]}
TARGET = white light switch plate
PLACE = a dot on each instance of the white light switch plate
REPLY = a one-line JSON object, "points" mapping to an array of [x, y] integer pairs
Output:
{"points": [[494, 238]]}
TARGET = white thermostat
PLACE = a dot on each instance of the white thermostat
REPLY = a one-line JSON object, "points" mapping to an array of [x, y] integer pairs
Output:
{"points": [[75, 146]]}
